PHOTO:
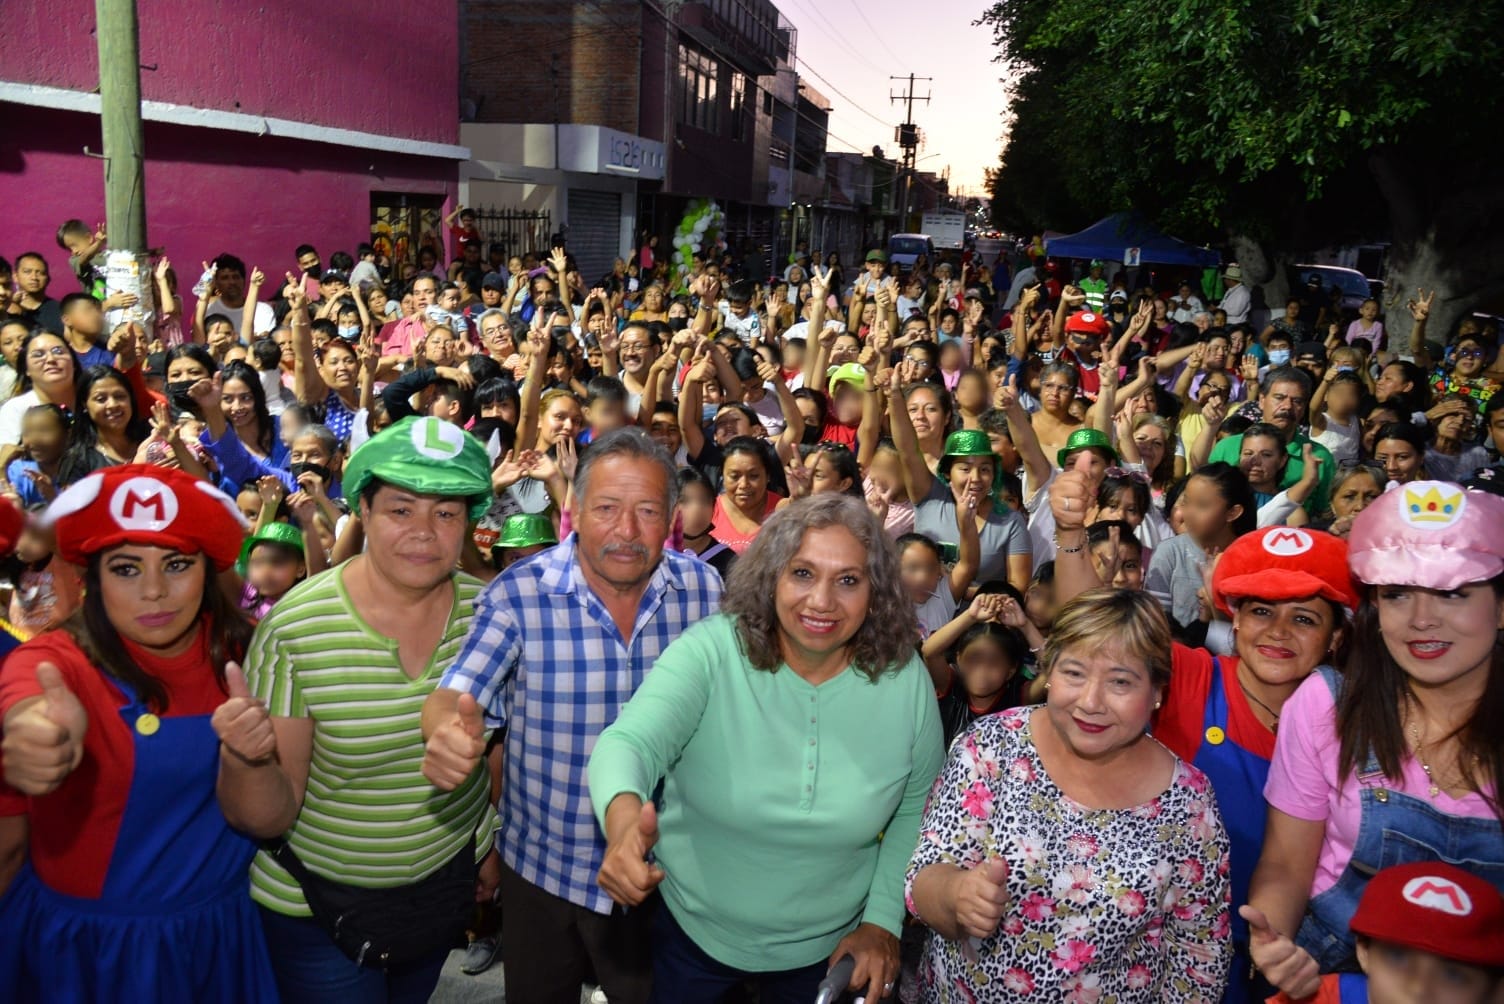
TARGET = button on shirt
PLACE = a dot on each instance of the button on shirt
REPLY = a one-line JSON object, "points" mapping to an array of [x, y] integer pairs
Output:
{"points": [[545, 659]]}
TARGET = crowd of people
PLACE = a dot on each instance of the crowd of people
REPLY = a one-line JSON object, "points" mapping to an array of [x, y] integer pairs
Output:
{"points": [[1020, 633]]}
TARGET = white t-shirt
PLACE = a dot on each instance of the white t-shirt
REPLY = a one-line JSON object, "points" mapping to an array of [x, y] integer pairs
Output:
{"points": [[11, 414], [264, 322]]}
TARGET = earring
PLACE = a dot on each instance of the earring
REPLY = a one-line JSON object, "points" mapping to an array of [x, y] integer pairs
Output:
{"points": [[1156, 705]]}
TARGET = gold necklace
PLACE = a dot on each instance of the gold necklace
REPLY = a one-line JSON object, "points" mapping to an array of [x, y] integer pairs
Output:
{"points": [[1421, 756]]}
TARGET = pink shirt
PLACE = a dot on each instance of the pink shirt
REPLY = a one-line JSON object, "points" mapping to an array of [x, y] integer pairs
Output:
{"points": [[400, 337], [1303, 780]]}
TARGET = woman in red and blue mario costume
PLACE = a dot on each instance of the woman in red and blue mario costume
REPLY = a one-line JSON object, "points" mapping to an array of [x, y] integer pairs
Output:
{"points": [[135, 887]]}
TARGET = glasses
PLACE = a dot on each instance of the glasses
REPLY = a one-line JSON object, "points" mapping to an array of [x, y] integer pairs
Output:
{"points": [[39, 355], [1470, 354], [1123, 472], [918, 360]]}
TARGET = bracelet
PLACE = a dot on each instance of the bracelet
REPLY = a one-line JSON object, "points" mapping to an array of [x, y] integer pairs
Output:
{"points": [[1062, 549]]}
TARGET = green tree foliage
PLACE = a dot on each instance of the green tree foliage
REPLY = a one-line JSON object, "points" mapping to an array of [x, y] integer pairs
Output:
{"points": [[1275, 119]]}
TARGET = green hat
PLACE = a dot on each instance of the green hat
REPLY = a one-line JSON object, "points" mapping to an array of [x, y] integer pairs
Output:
{"points": [[1096, 263], [425, 455], [274, 532], [854, 373], [1082, 438], [524, 529], [967, 443], [877, 254]]}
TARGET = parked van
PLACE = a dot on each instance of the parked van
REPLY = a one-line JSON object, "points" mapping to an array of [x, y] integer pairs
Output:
{"points": [[903, 249]]}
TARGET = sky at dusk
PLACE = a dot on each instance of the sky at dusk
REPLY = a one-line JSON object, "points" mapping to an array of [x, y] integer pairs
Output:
{"points": [[855, 45]]}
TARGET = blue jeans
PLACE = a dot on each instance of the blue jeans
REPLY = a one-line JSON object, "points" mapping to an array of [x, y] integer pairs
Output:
{"points": [[310, 968], [684, 974]]}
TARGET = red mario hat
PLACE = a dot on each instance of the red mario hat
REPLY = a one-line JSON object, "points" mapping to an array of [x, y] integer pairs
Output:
{"points": [[12, 523], [1087, 323], [1284, 563], [146, 504], [1437, 908]]}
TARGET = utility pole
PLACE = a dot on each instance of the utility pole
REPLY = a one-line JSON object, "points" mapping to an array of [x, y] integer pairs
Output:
{"points": [[908, 135], [126, 268]]}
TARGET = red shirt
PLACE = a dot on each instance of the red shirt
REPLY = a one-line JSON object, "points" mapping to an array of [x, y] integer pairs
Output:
{"points": [[73, 829], [1179, 723], [836, 432]]}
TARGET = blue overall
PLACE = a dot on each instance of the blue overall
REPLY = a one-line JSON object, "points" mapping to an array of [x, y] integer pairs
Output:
{"points": [[1352, 988], [1237, 778], [1396, 829], [174, 920]]}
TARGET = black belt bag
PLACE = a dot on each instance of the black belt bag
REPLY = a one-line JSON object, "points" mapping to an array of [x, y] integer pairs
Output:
{"points": [[382, 928]]}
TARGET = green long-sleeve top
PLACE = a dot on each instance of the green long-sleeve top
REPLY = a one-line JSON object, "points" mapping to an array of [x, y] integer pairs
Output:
{"points": [[789, 811]]}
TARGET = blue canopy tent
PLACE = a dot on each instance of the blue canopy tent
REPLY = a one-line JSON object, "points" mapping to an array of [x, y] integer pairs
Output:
{"points": [[1114, 237]]}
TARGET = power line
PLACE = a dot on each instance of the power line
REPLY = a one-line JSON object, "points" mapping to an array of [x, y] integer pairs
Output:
{"points": [[880, 40]]}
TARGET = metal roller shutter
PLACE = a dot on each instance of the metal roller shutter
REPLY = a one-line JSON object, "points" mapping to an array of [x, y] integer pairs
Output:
{"points": [[594, 232]]}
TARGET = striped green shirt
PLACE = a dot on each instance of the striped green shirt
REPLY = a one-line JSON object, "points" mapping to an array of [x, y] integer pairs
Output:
{"points": [[369, 818]]}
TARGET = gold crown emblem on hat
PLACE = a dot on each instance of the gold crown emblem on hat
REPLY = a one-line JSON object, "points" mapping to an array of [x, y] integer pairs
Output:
{"points": [[1432, 506]]}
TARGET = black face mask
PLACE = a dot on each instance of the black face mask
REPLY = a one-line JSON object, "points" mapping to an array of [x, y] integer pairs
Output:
{"points": [[299, 468], [179, 388], [316, 271], [678, 323], [811, 435]]}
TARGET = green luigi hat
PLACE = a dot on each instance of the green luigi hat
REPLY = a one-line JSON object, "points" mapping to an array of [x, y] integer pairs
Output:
{"points": [[852, 373], [525, 529], [426, 455], [877, 254], [969, 443], [1083, 439], [275, 533]]}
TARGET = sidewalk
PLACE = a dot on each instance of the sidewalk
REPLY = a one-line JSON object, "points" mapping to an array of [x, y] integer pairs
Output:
{"points": [[489, 987]]}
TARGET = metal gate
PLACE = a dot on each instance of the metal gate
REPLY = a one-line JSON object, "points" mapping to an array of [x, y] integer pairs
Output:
{"points": [[593, 234], [513, 231]]}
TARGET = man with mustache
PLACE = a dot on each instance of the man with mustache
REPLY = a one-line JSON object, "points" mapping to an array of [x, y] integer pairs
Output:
{"points": [[559, 643], [1282, 404]]}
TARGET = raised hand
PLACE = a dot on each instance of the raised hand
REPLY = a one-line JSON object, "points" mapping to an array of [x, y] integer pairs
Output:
{"points": [[799, 478], [456, 746], [293, 293], [1420, 307], [508, 471], [44, 741], [258, 277], [242, 722], [626, 874], [1283, 963], [1248, 370], [1071, 493], [1214, 410]]}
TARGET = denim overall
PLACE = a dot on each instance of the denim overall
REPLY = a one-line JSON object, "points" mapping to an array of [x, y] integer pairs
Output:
{"points": [[1237, 778], [174, 919], [1396, 829]]}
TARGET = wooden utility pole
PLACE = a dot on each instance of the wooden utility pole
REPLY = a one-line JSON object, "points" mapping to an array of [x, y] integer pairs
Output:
{"points": [[125, 264], [120, 123]]}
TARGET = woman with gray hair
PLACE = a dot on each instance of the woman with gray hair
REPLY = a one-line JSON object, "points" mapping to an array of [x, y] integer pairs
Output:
{"points": [[796, 736]]}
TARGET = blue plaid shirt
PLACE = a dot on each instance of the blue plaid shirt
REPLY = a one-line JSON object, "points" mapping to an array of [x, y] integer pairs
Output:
{"points": [[545, 659]]}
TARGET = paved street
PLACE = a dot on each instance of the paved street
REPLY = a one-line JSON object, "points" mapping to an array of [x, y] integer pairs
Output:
{"points": [[457, 988]]}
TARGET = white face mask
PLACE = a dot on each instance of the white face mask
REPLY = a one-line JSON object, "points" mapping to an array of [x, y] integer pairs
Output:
{"points": [[1279, 357]]}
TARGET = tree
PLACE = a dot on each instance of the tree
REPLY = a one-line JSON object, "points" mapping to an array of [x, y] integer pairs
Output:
{"points": [[1285, 124]]}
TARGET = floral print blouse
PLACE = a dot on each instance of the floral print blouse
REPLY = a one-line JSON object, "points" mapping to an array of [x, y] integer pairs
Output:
{"points": [[1108, 906]]}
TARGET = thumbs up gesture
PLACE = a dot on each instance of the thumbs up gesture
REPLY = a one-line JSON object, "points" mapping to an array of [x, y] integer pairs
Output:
{"points": [[1072, 492], [1286, 965], [242, 723], [455, 746], [44, 736], [981, 898], [632, 831]]}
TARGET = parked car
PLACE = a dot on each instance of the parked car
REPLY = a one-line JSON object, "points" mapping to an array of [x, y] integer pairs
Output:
{"points": [[903, 249], [1353, 284]]}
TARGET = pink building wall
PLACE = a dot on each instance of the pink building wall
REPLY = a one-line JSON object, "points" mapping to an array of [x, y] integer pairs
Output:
{"points": [[390, 70], [207, 191]]}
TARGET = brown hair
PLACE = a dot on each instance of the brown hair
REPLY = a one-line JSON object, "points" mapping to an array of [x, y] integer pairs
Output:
{"points": [[96, 637], [1375, 688], [885, 641], [1129, 621]]}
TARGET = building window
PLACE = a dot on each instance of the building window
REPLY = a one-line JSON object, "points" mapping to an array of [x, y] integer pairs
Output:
{"points": [[738, 106], [697, 86]]}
